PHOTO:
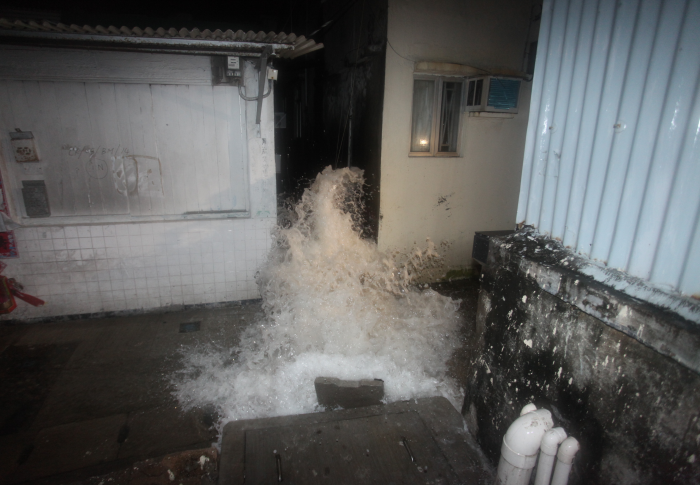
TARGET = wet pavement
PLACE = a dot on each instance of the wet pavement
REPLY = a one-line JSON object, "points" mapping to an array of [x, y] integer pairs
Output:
{"points": [[81, 399]]}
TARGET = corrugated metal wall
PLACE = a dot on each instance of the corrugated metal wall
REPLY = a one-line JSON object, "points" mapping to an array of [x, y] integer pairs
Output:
{"points": [[612, 158]]}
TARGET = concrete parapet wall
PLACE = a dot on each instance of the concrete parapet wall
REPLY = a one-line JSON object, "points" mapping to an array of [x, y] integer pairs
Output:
{"points": [[555, 338]]}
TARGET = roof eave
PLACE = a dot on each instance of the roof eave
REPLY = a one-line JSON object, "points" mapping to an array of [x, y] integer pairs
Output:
{"points": [[142, 44]]}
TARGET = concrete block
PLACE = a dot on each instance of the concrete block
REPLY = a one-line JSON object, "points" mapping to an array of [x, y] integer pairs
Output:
{"points": [[332, 392]]}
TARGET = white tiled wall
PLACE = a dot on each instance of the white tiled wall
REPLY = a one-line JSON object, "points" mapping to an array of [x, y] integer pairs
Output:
{"points": [[87, 269]]}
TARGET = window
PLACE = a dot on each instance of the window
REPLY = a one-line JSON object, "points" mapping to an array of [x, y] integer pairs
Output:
{"points": [[496, 94], [435, 125]]}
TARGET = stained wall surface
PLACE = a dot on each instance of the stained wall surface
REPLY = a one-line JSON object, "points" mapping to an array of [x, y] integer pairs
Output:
{"points": [[607, 374], [448, 199]]}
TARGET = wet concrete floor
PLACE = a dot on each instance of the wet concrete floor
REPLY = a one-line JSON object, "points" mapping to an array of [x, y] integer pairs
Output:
{"points": [[89, 398]]}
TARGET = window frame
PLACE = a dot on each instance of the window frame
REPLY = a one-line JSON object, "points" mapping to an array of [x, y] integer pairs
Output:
{"points": [[437, 114]]}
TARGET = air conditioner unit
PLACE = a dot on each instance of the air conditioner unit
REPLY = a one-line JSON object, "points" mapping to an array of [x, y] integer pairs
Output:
{"points": [[495, 94]]}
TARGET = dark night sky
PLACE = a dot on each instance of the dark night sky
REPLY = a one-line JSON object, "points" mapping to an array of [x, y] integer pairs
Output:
{"points": [[268, 15]]}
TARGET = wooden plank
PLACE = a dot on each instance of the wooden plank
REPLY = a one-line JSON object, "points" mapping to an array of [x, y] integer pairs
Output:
{"points": [[143, 142], [72, 65], [207, 186], [171, 145], [6, 125], [105, 138], [72, 108], [221, 109], [164, 130], [150, 183], [62, 194], [186, 162], [124, 181], [93, 168], [43, 121], [238, 151], [210, 155], [21, 118]]}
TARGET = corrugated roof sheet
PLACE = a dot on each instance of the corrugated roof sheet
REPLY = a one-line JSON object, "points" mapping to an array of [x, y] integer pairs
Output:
{"points": [[297, 45]]}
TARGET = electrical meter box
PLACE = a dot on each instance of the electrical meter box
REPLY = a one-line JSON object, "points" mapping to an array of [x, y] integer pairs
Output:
{"points": [[234, 62]]}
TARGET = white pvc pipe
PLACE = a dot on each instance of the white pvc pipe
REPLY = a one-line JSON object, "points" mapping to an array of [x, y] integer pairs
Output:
{"points": [[565, 458], [520, 445], [528, 408], [548, 453]]}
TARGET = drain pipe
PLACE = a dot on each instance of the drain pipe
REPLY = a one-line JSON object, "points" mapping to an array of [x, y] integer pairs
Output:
{"points": [[520, 446], [548, 452], [528, 408], [565, 458]]}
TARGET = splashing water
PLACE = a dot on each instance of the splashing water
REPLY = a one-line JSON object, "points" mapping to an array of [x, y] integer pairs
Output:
{"points": [[335, 306]]}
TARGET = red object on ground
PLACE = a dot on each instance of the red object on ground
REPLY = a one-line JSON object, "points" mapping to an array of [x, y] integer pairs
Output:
{"points": [[7, 301], [32, 300], [9, 288]]}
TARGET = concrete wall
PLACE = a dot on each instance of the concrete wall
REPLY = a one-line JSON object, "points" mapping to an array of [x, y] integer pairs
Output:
{"points": [[103, 266], [620, 375], [447, 199]]}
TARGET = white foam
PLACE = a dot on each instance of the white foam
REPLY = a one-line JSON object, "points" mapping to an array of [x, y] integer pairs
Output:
{"points": [[334, 306]]}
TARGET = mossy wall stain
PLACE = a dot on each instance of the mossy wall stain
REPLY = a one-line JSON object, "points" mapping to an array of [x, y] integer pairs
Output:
{"points": [[634, 411]]}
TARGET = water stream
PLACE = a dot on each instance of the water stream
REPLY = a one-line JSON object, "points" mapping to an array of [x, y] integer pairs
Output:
{"points": [[334, 306]]}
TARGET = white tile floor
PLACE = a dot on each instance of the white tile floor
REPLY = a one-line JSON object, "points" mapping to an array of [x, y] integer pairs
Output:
{"points": [[86, 269]]}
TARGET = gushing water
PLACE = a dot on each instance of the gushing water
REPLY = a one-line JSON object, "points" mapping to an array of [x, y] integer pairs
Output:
{"points": [[334, 306]]}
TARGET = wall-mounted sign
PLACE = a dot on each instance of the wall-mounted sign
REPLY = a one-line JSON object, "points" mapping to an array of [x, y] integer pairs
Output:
{"points": [[23, 146]]}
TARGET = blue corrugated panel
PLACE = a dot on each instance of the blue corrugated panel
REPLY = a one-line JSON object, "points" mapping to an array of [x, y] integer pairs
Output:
{"points": [[612, 157]]}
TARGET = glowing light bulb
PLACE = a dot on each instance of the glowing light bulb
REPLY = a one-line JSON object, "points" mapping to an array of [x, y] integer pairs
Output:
{"points": [[424, 142]]}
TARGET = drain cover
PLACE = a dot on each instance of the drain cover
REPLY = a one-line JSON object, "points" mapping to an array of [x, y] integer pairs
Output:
{"points": [[417, 442], [190, 327]]}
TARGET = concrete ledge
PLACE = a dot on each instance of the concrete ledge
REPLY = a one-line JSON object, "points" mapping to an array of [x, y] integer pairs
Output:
{"points": [[558, 271]]}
